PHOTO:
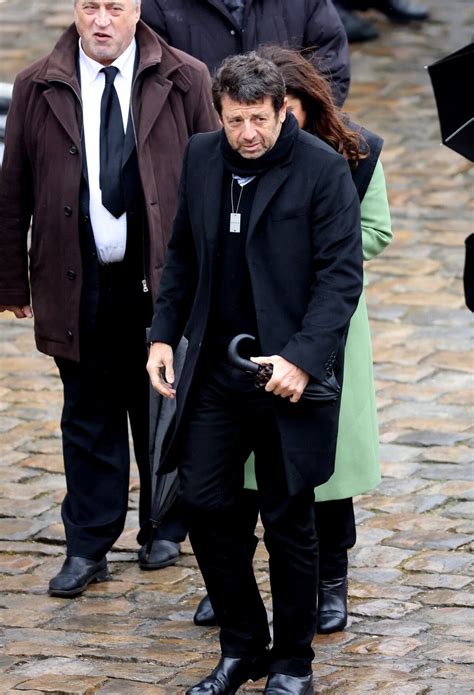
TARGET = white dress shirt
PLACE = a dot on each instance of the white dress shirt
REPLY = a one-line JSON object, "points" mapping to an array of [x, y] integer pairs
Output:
{"points": [[110, 233]]}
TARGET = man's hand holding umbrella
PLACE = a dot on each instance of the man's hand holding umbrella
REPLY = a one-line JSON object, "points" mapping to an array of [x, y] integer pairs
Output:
{"points": [[160, 369], [287, 380]]}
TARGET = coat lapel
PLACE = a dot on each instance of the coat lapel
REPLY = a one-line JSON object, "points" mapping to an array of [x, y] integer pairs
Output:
{"points": [[153, 97], [63, 103], [212, 198], [268, 185]]}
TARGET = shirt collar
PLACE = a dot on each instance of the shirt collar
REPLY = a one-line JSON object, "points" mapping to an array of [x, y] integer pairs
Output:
{"points": [[90, 68]]}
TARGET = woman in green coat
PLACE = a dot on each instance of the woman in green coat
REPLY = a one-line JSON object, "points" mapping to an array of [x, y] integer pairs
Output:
{"points": [[357, 468]]}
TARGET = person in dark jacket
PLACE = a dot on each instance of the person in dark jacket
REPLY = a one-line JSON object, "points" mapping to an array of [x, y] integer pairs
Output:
{"points": [[211, 30], [266, 241], [94, 139]]}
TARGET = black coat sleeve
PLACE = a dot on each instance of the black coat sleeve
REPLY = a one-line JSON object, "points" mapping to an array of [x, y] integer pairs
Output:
{"points": [[337, 267], [326, 34]]}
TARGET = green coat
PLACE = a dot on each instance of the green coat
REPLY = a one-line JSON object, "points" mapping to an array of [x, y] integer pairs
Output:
{"points": [[357, 467]]}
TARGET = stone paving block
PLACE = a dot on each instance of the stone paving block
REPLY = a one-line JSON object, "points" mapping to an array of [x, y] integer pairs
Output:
{"points": [[53, 463], [419, 540], [430, 437], [384, 608], [120, 686], [440, 562], [396, 646], [376, 590], [62, 684], [463, 510], [458, 489], [437, 581], [446, 597], [446, 471], [18, 529], [16, 564], [451, 652], [451, 454], [406, 503], [392, 628]]}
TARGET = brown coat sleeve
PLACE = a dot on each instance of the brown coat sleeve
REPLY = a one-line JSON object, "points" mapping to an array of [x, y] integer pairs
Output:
{"points": [[16, 204]]}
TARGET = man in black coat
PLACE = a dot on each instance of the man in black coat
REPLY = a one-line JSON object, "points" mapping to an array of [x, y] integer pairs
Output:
{"points": [[266, 241], [212, 30]]}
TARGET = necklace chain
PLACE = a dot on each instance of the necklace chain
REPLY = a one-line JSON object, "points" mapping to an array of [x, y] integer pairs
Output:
{"points": [[232, 195]]}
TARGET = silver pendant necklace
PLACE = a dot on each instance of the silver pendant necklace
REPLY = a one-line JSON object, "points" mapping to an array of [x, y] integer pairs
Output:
{"points": [[235, 216]]}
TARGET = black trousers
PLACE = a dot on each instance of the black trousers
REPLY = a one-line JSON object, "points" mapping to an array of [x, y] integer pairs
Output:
{"points": [[106, 388], [227, 419]]}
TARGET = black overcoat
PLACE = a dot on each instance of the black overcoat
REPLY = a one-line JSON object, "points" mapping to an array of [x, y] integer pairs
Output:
{"points": [[207, 30], [305, 261]]}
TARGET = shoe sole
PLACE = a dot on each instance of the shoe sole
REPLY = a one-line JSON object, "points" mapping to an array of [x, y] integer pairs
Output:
{"points": [[95, 579], [158, 565]]}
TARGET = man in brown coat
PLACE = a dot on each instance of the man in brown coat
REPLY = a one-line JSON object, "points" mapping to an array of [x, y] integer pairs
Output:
{"points": [[94, 144]]}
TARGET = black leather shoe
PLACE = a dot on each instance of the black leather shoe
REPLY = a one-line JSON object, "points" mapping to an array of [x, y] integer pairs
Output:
{"points": [[357, 29], [163, 554], [204, 614], [401, 10], [282, 684], [75, 576], [332, 605], [229, 674]]}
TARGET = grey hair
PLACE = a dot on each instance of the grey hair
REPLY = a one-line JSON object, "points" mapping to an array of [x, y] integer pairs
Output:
{"points": [[248, 78]]}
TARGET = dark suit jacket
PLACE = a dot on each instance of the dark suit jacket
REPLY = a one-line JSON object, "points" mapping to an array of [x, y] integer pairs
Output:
{"points": [[305, 260]]}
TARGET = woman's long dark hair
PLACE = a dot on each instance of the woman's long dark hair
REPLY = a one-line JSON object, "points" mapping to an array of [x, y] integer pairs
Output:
{"points": [[323, 118]]}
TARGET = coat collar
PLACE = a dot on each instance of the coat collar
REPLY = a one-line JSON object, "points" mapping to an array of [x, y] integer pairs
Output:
{"points": [[61, 67]]}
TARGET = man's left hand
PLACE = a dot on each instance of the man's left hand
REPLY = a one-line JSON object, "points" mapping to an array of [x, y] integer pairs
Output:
{"points": [[287, 381]]}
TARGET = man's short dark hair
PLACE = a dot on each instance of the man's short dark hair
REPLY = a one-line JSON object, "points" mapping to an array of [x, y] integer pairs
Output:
{"points": [[248, 78]]}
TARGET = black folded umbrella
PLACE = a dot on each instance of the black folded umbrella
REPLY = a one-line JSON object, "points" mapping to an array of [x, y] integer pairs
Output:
{"points": [[452, 79], [325, 392], [162, 413]]}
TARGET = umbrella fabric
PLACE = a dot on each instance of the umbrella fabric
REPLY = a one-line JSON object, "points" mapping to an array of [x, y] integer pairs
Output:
{"points": [[162, 412], [451, 78], [469, 273]]}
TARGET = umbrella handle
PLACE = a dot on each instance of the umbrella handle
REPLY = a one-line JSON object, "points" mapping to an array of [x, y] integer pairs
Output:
{"points": [[235, 359]]}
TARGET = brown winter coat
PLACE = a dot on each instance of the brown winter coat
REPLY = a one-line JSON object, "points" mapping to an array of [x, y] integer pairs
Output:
{"points": [[42, 170]]}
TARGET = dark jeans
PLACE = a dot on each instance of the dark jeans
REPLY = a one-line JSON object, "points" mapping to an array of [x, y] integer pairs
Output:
{"points": [[108, 385], [227, 419]]}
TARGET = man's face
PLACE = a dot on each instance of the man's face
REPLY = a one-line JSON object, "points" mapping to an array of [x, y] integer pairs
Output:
{"points": [[251, 129], [106, 28]]}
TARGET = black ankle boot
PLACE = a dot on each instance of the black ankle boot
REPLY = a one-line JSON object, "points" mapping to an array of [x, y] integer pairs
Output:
{"points": [[230, 673], [332, 605]]}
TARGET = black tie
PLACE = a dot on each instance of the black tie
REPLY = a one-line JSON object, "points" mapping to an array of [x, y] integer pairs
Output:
{"points": [[111, 146]]}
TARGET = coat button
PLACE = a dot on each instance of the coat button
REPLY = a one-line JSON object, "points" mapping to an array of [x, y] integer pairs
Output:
{"points": [[73, 150], [69, 336], [71, 274], [232, 32], [68, 211], [85, 218]]}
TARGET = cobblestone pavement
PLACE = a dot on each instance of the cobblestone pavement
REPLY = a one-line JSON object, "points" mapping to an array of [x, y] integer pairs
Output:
{"points": [[410, 629]]}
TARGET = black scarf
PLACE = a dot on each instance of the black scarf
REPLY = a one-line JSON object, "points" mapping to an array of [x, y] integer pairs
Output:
{"points": [[241, 166]]}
